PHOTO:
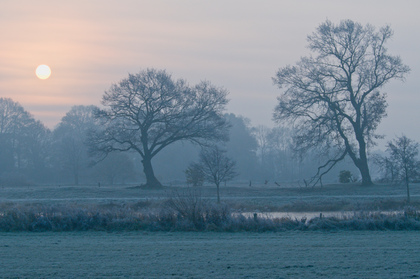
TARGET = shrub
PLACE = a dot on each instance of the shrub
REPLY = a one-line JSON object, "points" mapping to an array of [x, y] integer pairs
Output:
{"points": [[345, 176], [190, 207]]}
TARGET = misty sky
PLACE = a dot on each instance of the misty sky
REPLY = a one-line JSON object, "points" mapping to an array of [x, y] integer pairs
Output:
{"points": [[235, 44]]}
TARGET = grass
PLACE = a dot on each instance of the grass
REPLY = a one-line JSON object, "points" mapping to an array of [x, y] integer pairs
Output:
{"points": [[174, 215], [123, 208]]}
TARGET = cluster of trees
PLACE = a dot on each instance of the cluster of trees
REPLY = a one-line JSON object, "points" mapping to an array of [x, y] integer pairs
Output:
{"points": [[328, 113], [30, 152]]}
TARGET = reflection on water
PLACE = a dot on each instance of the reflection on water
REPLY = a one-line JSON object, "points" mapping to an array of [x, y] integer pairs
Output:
{"points": [[309, 215]]}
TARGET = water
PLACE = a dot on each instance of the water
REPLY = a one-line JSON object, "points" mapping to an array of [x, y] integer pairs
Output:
{"points": [[310, 215]]}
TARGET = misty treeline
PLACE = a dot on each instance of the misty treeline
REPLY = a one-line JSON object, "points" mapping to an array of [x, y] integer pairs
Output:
{"points": [[152, 126], [32, 153]]}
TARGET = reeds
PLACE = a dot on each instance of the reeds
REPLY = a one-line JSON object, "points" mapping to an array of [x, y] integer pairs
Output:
{"points": [[185, 213]]}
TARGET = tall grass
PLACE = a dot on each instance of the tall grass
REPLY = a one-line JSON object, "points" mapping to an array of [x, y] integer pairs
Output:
{"points": [[184, 212]]}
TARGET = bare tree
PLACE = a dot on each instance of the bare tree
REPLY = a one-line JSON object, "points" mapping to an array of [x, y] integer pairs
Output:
{"points": [[403, 156], [194, 175], [261, 134], [216, 167], [333, 97], [22, 139], [70, 140], [150, 110]]}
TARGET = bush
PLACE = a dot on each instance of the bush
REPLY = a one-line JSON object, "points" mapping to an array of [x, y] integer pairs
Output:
{"points": [[345, 176], [193, 210]]}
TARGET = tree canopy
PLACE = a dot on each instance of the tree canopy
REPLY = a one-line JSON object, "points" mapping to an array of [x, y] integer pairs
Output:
{"points": [[333, 97], [150, 110]]}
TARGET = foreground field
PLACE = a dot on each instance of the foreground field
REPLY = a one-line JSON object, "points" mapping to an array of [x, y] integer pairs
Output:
{"points": [[134, 253], [210, 255]]}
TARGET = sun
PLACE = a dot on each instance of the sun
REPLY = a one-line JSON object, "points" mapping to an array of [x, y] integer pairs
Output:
{"points": [[43, 72]]}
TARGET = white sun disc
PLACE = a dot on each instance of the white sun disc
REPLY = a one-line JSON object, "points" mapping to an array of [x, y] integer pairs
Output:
{"points": [[43, 72]]}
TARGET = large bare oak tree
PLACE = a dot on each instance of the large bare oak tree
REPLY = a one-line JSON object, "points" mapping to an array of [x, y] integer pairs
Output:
{"points": [[332, 97], [150, 110]]}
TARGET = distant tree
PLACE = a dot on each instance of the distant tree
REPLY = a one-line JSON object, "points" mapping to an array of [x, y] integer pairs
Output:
{"points": [[261, 134], [242, 145], [403, 156], [150, 110], [70, 138], [333, 97], [22, 139], [194, 175], [387, 167], [116, 166], [216, 167], [281, 155], [38, 150], [13, 119]]}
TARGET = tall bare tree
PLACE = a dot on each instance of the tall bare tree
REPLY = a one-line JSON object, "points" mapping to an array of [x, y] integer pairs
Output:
{"points": [[333, 98], [150, 110]]}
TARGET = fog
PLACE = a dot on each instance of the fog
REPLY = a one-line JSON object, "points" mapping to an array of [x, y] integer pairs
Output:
{"points": [[34, 154]]}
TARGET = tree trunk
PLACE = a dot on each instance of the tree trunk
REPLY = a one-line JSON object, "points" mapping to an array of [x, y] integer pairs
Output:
{"points": [[362, 163], [218, 192], [407, 181], [76, 179], [363, 167], [364, 171], [151, 180]]}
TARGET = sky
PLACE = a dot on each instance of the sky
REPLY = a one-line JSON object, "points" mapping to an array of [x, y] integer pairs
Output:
{"points": [[235, 44]]}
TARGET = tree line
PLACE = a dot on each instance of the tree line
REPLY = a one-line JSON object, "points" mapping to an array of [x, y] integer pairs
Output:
{"points": [[328, 111], [32, 153]]}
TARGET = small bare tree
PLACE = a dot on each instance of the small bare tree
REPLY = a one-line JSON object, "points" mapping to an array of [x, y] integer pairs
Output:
{"points": [[194, 175], [216, 167], [403, 156]]}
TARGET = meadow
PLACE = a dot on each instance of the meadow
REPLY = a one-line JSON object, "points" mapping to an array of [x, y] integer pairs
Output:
{"points": [[177, 208], [249, 248]]}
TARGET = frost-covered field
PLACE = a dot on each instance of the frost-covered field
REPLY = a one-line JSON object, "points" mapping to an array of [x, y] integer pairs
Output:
{"points": [[239, 196], [145, 254], [356, 254]]}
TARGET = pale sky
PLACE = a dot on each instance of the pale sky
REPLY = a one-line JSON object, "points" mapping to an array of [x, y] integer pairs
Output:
{"points": [[235, 44]]}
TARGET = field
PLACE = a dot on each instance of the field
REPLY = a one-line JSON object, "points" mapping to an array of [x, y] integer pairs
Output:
{"points": [[145, 254], [210, 255], [259, 197]]}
